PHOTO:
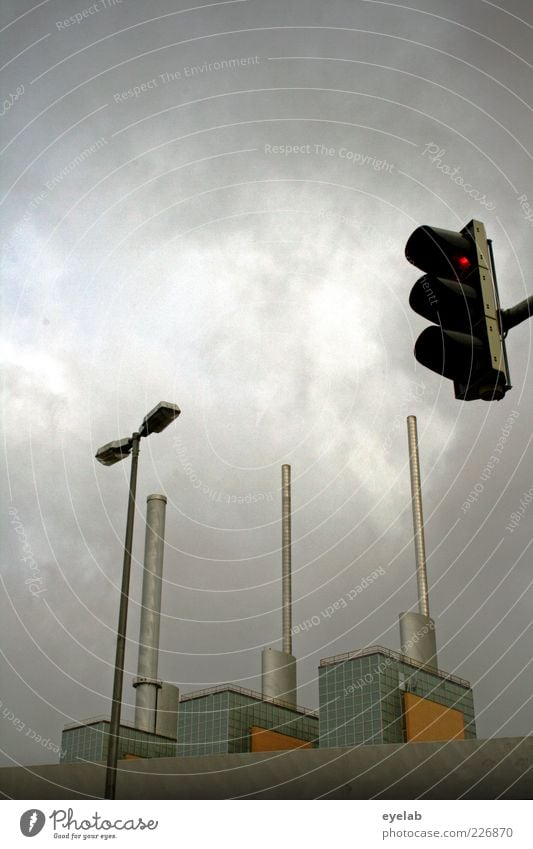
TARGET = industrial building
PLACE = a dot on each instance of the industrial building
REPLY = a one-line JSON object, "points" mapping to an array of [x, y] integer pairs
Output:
{"points": [[219, 720], [366, 697], [229, 719], [88, 741], [380, 696]]}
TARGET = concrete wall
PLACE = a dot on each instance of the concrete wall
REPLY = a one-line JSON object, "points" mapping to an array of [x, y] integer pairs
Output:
{"points": [[472, 769]]}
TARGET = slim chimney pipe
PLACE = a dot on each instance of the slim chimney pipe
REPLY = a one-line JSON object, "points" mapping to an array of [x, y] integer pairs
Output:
{"points": [[286, 558], [418, 518]]}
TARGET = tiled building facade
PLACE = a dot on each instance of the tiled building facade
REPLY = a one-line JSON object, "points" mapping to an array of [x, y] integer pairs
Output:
{"points": [[366, 697], [362, 699], [221, 719], [88, 741]]}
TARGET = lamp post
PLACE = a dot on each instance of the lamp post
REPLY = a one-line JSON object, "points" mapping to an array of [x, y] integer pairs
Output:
{"points": [[154, 422]]}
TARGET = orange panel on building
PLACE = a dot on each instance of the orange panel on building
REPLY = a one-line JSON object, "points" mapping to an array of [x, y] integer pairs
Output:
{"points": [[426, 720], [264, 740]]}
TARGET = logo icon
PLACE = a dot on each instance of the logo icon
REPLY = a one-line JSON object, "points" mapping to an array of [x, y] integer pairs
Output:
{"points": [[31, 822]]}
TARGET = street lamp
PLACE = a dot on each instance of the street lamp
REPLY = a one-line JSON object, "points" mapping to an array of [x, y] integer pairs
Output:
{"points": [[156, 421]]}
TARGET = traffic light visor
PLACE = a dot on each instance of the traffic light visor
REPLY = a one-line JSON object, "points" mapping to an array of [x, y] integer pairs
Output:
{"points": [[451, 354], [443, 253], [445, 302]]}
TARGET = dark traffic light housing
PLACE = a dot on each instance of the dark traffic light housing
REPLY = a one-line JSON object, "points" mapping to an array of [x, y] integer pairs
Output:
{"points": [[458, 293]]}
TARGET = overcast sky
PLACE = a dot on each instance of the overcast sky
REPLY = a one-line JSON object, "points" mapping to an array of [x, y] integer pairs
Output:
{"points": [[209, 205]]}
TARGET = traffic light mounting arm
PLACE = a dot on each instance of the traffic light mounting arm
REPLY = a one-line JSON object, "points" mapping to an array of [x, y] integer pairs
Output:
{"points": [[517, 314]]}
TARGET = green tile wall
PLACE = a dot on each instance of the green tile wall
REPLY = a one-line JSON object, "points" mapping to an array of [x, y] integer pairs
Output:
{"points": [[90, 743], [361, 700]]}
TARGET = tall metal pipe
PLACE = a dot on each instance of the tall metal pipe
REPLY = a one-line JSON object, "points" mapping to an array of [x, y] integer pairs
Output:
{"points": [[146, 683], [418, 518], [286, 567], [278, 668]]}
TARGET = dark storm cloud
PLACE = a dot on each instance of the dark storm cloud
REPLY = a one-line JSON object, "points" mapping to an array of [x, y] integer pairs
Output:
{"points": [[230, 237]]}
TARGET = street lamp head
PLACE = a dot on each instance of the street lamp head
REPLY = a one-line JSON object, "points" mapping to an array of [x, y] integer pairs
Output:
{"points": [[113, 452], [159, 418]]}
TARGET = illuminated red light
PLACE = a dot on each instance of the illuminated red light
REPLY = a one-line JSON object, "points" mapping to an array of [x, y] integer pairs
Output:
{"points": [[463, 261]]}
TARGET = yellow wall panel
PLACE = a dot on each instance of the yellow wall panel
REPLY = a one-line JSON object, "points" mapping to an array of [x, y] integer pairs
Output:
{"points": [[426, 720], [264, 740]]}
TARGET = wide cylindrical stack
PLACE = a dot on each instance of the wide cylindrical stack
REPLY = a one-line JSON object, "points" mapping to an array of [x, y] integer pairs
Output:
{"points": [[166, 723], [278, 672], [147, 683], [417, 638]]}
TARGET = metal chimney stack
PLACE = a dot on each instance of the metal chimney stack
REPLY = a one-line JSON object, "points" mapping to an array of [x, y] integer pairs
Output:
{"points": [[147, 684], [278, 668], [286, 564], [417, 630], [418, 518]]}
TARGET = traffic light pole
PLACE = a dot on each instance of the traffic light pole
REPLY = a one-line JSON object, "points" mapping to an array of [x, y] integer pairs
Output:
{"points": [[514, 315], [499, 309]]}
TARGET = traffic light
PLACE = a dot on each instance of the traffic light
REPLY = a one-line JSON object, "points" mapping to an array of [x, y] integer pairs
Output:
{"points": [[458, 292]]}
